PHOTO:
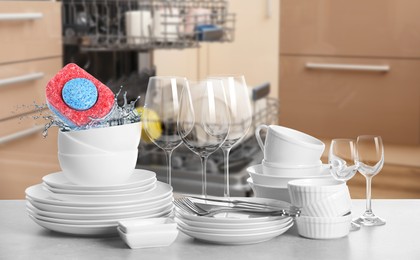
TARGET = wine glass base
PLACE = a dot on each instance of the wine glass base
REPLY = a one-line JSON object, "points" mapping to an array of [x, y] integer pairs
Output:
{"points": [[369, 220], [354, 226]]}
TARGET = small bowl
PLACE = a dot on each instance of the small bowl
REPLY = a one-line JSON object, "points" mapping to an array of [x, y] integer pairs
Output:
{"points": [[303, 192], [256, 173], [279, 169], [323, 227], [270, 192], [98, 170], [337, 204], [109, 139], [147, 233]]}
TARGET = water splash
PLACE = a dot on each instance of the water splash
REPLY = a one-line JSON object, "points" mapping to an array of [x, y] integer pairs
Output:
{"points": [[119, 115]]}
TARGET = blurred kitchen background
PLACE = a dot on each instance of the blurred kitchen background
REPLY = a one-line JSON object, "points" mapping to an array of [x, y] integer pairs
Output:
{"points": [[330, 68]]}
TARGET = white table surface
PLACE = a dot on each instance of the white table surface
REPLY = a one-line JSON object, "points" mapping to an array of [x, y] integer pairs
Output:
{"points": [[21, 238]]}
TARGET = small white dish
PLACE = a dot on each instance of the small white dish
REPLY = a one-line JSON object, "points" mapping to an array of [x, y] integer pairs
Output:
{"points": [[324, 227], [337, 204], [285, 170], [153, 232], [100, 192], [270, 192]]}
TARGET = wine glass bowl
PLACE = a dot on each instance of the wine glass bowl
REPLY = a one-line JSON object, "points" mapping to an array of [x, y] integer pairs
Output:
{"points": [[341, 158], [160, 114]]}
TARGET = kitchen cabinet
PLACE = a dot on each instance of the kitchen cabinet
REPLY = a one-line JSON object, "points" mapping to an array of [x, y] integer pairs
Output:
{"points": [[351, 67], [254, 51], [30, 54]]}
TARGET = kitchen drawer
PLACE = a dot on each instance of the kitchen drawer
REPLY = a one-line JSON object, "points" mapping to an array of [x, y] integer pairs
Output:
{"points": [[374, 28], [23, 84], [24, 161], [337, 102], [29, 30]]}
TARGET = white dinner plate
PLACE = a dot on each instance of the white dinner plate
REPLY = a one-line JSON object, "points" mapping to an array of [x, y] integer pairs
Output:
{"points": [[71, 216], [114, 221], [99, 198], [238, 231], [139, 178], [236, 239], [101, 210], [37, 193], [80, 230], [101, 192], [211, 225]]}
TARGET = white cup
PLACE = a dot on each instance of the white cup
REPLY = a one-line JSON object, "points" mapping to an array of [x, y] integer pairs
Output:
{"points": [[166, 24], [138, 26], [288, 146]]}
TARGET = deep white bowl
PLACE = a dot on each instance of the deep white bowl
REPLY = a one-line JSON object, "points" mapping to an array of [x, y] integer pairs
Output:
{"points": [[270, 192], [98, 170], [258, 177], [294, 170], [303, 192], [323, 227], [100, 140]]}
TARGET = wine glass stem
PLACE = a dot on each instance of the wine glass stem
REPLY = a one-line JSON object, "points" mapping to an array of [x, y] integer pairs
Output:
{"points": [[368, 195], [226, 152], [168, 154], [204, 177]]}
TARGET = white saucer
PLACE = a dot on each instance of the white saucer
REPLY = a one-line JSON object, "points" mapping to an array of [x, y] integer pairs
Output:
{"points": [[101, 210], [114, 221], [98, 216], [201, 224], [37, 193], [138, 178], [237, 231], [80, 230], [145, 187], [236, 239]]}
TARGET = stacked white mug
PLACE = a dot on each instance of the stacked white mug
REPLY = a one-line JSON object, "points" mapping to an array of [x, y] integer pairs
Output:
{"points": [[288, 154]]}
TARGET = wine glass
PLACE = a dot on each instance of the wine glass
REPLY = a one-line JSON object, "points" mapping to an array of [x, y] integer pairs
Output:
{"points": [[239, 105], [369, 160], [160, 114], [341, 159], [203, 121]]}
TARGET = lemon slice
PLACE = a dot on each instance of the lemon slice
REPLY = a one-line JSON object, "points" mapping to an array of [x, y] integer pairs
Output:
{"points": [[151, 126]]}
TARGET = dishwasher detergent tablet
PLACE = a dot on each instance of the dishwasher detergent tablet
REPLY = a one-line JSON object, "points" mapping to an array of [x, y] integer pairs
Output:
{"points": [[77, 97]]}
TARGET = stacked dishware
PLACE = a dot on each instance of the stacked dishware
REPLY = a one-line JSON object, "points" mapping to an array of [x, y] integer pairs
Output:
{"points": [[217, 220], [325, 207], [98, 185], [288, 155]]}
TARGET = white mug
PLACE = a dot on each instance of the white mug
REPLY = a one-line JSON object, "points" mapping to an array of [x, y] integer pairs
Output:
{"points": [[137, 26], [288, 146]]}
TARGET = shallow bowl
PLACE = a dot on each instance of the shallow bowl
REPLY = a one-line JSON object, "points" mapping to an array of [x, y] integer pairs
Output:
{"points": [[270, 192]]}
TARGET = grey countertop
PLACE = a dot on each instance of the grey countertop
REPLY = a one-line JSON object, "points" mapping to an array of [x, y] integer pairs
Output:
{"points": [[21, 238]]}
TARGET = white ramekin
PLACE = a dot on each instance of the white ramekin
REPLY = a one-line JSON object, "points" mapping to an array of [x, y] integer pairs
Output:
{"points": [[323, 227], [337, 204]]}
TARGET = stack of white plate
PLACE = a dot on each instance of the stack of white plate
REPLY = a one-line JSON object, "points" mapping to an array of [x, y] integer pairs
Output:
{"points": [[58, 205], [234, 228]]}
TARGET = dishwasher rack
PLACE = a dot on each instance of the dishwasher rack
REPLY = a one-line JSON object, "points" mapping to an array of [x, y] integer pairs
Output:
{"points": [[142, 25]]}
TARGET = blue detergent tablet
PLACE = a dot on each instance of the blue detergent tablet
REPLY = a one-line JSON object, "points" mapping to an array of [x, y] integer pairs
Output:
{"points": [[79, 94]]}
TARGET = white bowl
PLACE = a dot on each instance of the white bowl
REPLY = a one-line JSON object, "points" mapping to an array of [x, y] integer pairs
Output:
{"points": [[146, 233], [323, 227], [303, 192], [294, 170], [98, 170], [337, 204], [256, 173], [270, 192], [106, 139]]}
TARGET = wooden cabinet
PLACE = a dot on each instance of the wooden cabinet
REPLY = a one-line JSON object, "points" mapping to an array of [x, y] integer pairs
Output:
{"points": [[30, 54], [351, 67]]}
